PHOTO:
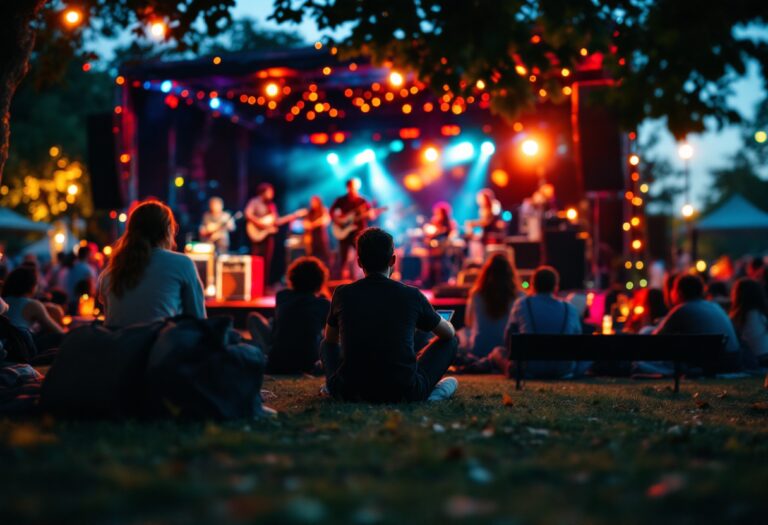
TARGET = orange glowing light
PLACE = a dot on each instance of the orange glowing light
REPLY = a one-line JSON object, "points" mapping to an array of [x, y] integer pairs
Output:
{"points": [[634, 159], [396, 79], [500, 178], [413, 182], [73, 17], [530, 148], [271, 89], [431, 154]]}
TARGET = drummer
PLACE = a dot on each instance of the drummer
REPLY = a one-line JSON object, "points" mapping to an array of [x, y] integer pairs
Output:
{"points": [[438, 234]]}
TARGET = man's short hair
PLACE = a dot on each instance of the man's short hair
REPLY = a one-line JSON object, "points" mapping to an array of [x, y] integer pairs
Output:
{"points": [[307, 274], [375, 249], [84, 252], [689, 287], [545, 280]]}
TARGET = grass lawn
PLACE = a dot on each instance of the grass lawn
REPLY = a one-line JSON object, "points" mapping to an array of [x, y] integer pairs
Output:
{"points": [[602, 451]]}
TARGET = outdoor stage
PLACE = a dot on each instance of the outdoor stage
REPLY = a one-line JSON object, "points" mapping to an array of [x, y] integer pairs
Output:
{"points": [[239, 310]]}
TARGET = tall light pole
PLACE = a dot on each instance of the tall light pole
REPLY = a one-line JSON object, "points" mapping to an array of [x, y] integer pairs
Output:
{"points": [[685, 152]]}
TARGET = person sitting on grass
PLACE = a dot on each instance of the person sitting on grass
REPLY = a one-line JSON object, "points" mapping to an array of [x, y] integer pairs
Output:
{"points": [[292, 342], [25, 312], [146, 281], [749, 314], [692, 314], [368, 351], [490, 302], [541, 313]]}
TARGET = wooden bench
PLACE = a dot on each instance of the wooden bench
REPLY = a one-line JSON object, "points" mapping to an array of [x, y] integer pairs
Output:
{"points": [[697, 349]]}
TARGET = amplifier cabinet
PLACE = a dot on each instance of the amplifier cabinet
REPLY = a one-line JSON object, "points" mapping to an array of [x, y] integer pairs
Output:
{"points": [[234, 278], [204, 262]]}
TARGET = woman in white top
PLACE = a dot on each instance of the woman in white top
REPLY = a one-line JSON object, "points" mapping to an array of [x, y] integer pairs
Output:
{"points": [[749, 314], [145, 281]]}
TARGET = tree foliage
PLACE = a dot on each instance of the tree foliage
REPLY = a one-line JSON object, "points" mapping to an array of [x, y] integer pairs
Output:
{"points": [[675, 59]]}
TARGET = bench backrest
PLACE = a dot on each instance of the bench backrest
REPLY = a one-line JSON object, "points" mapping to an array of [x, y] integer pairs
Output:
{"points": [[544, 347]]}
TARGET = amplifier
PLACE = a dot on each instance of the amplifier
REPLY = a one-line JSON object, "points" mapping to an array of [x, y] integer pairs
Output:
{"points": [[234, 278], [204, 262]]}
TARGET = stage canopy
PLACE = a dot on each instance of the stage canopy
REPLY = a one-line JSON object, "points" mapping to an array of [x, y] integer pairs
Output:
{"points": [[10, 221], [737, 213]]}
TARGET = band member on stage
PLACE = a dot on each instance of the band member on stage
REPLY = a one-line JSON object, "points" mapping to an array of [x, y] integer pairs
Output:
{"points": [[261, 211], [489, 211], [350, 213], [438, 233], [216, 225], [316, 223]]}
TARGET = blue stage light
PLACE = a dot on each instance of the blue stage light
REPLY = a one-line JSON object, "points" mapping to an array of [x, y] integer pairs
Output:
{"points": [[396, 146], [487, 148], [365, 156], [166, 86], [332, 158], [461, 152], [507, 215], [214, 103]]}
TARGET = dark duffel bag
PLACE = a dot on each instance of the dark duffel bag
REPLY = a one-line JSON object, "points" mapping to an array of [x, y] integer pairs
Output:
{"points": [[99, 372], [199, 369]]}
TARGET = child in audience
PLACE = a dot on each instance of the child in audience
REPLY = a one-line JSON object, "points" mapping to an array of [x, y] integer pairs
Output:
{"points": [[293, 341], [146, 281], [749, 314]]}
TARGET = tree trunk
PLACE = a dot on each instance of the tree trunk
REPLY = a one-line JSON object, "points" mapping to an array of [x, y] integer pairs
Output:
{"points": [[17, 39]]}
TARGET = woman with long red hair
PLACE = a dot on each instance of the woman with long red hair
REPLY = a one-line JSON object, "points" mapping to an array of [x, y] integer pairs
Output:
{"points": [[490, 302], [145, 280]]}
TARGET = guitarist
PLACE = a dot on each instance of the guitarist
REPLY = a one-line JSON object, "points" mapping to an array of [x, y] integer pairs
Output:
{"points": [[262, 212], [216, 225], [345, 207]]}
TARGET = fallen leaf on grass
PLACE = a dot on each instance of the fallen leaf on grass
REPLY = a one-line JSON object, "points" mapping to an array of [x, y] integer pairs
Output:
{"points": [[760, 406], [668, 484], [29, 436], [507, 400], [460, 506]]}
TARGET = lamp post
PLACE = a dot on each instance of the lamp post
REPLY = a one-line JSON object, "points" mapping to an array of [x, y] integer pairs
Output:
{"points": [[685, 152]]}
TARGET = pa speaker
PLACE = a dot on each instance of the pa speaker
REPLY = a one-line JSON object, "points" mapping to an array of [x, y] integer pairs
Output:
{"points": [[597, 139], [105, 183], [566, 253]]}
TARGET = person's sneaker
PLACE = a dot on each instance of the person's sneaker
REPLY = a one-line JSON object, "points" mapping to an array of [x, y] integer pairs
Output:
{"points": [[444, 389], [266, 412]]}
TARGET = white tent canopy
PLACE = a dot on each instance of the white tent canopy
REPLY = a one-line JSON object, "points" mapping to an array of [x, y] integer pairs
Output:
{"points": [[12, 221], [737, 213]]}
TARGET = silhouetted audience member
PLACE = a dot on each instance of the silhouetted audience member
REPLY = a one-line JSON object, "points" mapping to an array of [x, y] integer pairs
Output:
{"points": [[646, 312], [368, 352], [717, 292], [146, 281], [541, 313], [81, 271], [26, 312], [749, 314], [293, 340], [693, 314]]}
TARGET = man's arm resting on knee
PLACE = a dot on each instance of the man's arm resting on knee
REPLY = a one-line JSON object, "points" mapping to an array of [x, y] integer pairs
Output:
{"points": [[444, 330]]}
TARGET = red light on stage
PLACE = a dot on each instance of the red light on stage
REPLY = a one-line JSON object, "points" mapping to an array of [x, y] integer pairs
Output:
{"points": [[450, 130], [339, 137], [318, 138], [410, 133], [86, 67], [171, 101]]}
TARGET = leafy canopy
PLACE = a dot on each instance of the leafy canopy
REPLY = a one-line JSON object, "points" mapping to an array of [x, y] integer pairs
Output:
{"points": [[675, 59]]}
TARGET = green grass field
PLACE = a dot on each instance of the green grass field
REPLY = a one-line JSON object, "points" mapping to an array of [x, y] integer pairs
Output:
{"points": [[602, 451]]}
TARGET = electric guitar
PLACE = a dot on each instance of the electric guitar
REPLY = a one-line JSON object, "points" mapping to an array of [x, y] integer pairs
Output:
{"points": [[257, 232], [345, 225], [215, 234]]}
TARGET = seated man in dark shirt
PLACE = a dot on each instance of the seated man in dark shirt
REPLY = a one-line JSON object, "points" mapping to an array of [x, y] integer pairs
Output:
{"points": [[368, 352], [693, 314], [293, 340]]}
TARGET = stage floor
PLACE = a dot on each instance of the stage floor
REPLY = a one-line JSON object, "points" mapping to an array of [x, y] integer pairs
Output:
{"points": [[265, 305]]}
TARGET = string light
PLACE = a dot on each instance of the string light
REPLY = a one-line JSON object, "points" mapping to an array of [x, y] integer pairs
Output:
{"points": [[72, 17]]}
